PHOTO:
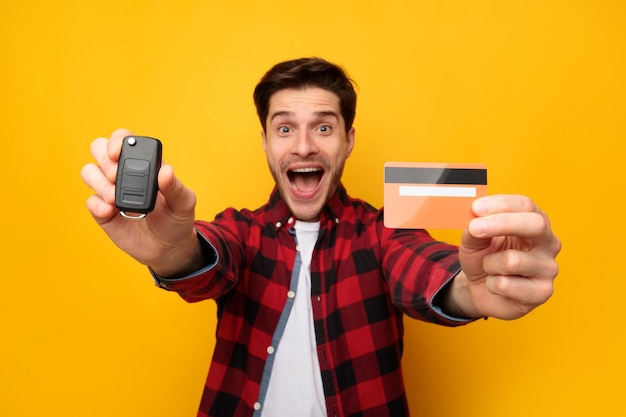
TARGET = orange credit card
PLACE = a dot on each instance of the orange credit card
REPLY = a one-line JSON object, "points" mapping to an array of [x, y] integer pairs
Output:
{"points": [[431, 195]]}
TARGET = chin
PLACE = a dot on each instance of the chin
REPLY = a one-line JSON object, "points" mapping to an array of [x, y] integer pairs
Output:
{"points": [[306, 212]]}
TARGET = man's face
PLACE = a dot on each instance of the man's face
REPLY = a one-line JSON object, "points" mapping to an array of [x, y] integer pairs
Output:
{"points": [[306, 146]]}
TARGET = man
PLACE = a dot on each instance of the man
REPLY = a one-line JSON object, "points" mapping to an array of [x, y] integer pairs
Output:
{"points": [[311, 288]]}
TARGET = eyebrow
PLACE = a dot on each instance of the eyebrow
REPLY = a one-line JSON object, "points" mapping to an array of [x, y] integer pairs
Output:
{"points": [[319, 114]]}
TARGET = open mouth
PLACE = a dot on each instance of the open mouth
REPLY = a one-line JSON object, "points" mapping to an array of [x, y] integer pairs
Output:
{"points": [[306, 179]]}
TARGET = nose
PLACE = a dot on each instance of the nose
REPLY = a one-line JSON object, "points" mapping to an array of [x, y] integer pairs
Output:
{"points": [[304, 145]]}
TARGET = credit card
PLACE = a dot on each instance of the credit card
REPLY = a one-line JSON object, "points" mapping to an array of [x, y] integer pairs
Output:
{"points": [[431, 195]]}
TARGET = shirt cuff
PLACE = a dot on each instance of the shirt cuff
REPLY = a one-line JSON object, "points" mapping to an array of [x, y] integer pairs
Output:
{"points": [[439, 311], [211, 258]]}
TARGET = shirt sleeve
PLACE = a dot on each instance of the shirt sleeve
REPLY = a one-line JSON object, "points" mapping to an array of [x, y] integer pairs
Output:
{"points": [[222, 244], [417, 269]]}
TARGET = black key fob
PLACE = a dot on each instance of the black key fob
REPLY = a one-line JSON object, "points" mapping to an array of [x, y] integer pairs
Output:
{"points": [[136, 185]]}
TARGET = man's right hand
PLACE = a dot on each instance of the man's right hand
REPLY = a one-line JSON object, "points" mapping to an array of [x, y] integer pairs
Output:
{"points": [[165, 240]]}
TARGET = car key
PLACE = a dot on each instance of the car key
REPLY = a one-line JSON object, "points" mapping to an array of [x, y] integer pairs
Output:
{"points": [[136, 185]]}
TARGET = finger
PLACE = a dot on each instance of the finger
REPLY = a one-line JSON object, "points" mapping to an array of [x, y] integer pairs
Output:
{"points": [[522, 224], [521, 228], [101, 155], [532, 264], [522, 231], [95, 178], [180, 199], [506, 203], [100, 210], [525, 292], [114, 145], [499, 204], [503, 203]]}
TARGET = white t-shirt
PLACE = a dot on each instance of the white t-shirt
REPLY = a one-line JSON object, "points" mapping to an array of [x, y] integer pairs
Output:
{"points": [[295, 387]]}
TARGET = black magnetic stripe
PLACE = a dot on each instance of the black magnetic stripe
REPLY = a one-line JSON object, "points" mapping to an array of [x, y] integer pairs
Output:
{"points": [[408, 175]]}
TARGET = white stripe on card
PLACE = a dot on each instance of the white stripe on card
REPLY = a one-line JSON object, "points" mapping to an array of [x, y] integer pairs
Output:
{"points": [[436, 191]]}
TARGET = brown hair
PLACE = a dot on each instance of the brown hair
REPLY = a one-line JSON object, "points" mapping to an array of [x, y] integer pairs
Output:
{"points": [[302, 73]]}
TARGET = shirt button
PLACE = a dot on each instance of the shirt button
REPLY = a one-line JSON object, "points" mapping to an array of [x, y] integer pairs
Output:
{"points": [[337, 220], [291, 294], [257, 406], [298, 248], [290, 220], [270, 349], [278, 224]]}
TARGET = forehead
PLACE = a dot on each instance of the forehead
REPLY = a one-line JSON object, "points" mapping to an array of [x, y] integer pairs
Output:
{"points": [[303, 101]]}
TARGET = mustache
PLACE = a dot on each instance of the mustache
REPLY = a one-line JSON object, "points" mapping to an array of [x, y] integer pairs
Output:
{"points": [[323, 162]]}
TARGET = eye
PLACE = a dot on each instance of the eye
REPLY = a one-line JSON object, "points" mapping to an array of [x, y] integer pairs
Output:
{"points": [[283, 130], [324, 129]]}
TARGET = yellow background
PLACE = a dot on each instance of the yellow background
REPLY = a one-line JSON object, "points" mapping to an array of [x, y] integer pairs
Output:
{"points": [[534, 89]]}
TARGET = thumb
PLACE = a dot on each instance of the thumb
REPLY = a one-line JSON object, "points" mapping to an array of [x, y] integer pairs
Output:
{"points": [[472, 251], [474, 237], [179, 199]]}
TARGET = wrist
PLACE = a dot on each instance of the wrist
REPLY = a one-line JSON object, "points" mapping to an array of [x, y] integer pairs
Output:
{"points": [[182, 260], [456, 299]]}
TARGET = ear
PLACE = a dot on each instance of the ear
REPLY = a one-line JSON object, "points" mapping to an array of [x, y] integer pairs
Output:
{"points": [[264, 139], [350, 138]]}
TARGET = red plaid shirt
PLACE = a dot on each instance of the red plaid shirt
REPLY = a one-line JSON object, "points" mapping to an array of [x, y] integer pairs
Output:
{"points": [[363, 278]]}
